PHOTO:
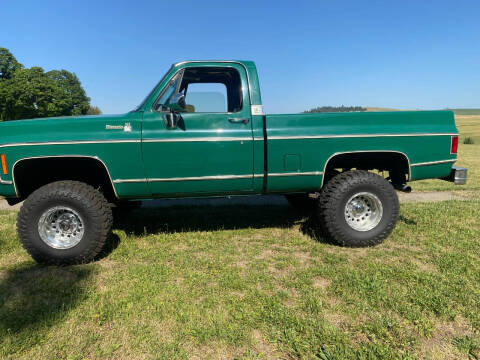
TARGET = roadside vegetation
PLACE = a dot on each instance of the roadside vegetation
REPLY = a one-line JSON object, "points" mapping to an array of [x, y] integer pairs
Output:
{"points": [[468, 141]]}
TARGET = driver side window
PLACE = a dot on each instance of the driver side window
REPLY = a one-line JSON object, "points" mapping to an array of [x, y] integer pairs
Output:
{"points": [[205, 89], [206, 97]]}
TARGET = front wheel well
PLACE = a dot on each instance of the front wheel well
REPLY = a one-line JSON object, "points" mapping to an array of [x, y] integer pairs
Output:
{"points": [[31, 174], [396, 163]]}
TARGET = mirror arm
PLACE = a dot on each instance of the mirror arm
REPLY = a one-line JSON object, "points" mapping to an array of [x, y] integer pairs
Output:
{"points": [[171, 119]]}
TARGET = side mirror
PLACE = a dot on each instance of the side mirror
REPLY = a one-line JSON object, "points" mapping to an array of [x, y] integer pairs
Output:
{"points": [[177, 102], [171, 120]]}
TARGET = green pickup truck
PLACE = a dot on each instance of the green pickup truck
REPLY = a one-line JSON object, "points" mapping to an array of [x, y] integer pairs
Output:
{"points": [[202, 132]]}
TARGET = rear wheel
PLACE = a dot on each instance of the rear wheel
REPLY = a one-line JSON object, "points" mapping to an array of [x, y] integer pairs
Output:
{"points": [[358, 208], [65, 222]]}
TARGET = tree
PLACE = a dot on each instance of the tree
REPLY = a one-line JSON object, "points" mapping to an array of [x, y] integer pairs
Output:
{"points": [[8, 64], [94, 110], [69, 96], [30, 93]]}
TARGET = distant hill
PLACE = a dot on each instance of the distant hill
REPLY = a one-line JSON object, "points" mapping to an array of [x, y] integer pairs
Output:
{"points": [[466, 111], [373, 108], [381, 109], [456, 111], [324, 109]]}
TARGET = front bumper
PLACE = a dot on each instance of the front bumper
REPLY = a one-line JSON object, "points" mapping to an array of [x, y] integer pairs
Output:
{"points": [[458, 175]]}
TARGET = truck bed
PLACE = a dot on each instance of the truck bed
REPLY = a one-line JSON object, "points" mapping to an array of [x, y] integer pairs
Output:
{"points": [[302, 144]]}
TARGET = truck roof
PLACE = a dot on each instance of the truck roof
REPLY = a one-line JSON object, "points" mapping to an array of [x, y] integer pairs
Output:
{"points": [[246, 63]]}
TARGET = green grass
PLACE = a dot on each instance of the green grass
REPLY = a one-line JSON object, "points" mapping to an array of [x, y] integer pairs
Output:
{"points": [[250, 282], [466, 111]]}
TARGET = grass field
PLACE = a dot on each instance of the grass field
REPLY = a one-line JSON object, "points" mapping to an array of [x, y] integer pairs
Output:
{"points": [[255, 282], [200, 283], [466, 111]]}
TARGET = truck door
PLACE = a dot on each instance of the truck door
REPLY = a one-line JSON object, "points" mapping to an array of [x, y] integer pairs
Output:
{"points": [[209, 149]]}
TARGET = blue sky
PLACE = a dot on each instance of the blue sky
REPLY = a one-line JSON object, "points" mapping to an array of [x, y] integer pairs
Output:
{"points": [[405, 54]]}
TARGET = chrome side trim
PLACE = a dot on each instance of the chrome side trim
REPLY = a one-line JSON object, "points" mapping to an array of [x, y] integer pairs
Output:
{"points": [[223, 61], [77, 142], [306, 173], [196, 178], [5, 182], [435, 162], [123, 181], [192, 178], [70, 142], [368, 151], [63, 156], [195, 139], [354, 136]]}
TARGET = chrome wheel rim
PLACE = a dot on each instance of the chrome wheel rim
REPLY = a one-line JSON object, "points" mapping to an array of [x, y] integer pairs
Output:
{"points": [[61, 227], [363, 211]]}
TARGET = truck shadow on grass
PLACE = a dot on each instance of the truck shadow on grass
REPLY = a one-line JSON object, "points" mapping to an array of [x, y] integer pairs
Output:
{"points": [[198, 217], [33, 298]]}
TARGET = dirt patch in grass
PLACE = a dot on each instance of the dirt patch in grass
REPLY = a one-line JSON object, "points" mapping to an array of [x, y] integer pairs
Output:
{"points": [[336, 319], [356, 253], [241, 264], [440, 345], [14, 258], [280, 271], [214, 351], [409, 247], [320, 283], [423, 266], [262, 347], [303, 258], [265, 254]]}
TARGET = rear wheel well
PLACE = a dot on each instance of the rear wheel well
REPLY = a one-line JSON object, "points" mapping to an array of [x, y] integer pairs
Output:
{"points": [[31, 174], [396, 163]]}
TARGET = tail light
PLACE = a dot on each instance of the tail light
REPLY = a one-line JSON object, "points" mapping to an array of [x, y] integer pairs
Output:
{"points": [[4, 164], [454, 145]]}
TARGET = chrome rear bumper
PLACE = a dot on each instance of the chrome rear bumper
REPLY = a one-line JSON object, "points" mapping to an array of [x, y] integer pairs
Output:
{"points": [[458, 175]]}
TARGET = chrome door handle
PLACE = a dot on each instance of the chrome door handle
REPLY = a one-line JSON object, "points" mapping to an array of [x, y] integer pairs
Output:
{"points": [[239, 120]]}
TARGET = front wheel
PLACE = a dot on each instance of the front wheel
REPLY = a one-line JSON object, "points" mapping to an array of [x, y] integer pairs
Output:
{"points": [[64, 223], [358, 208]]}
